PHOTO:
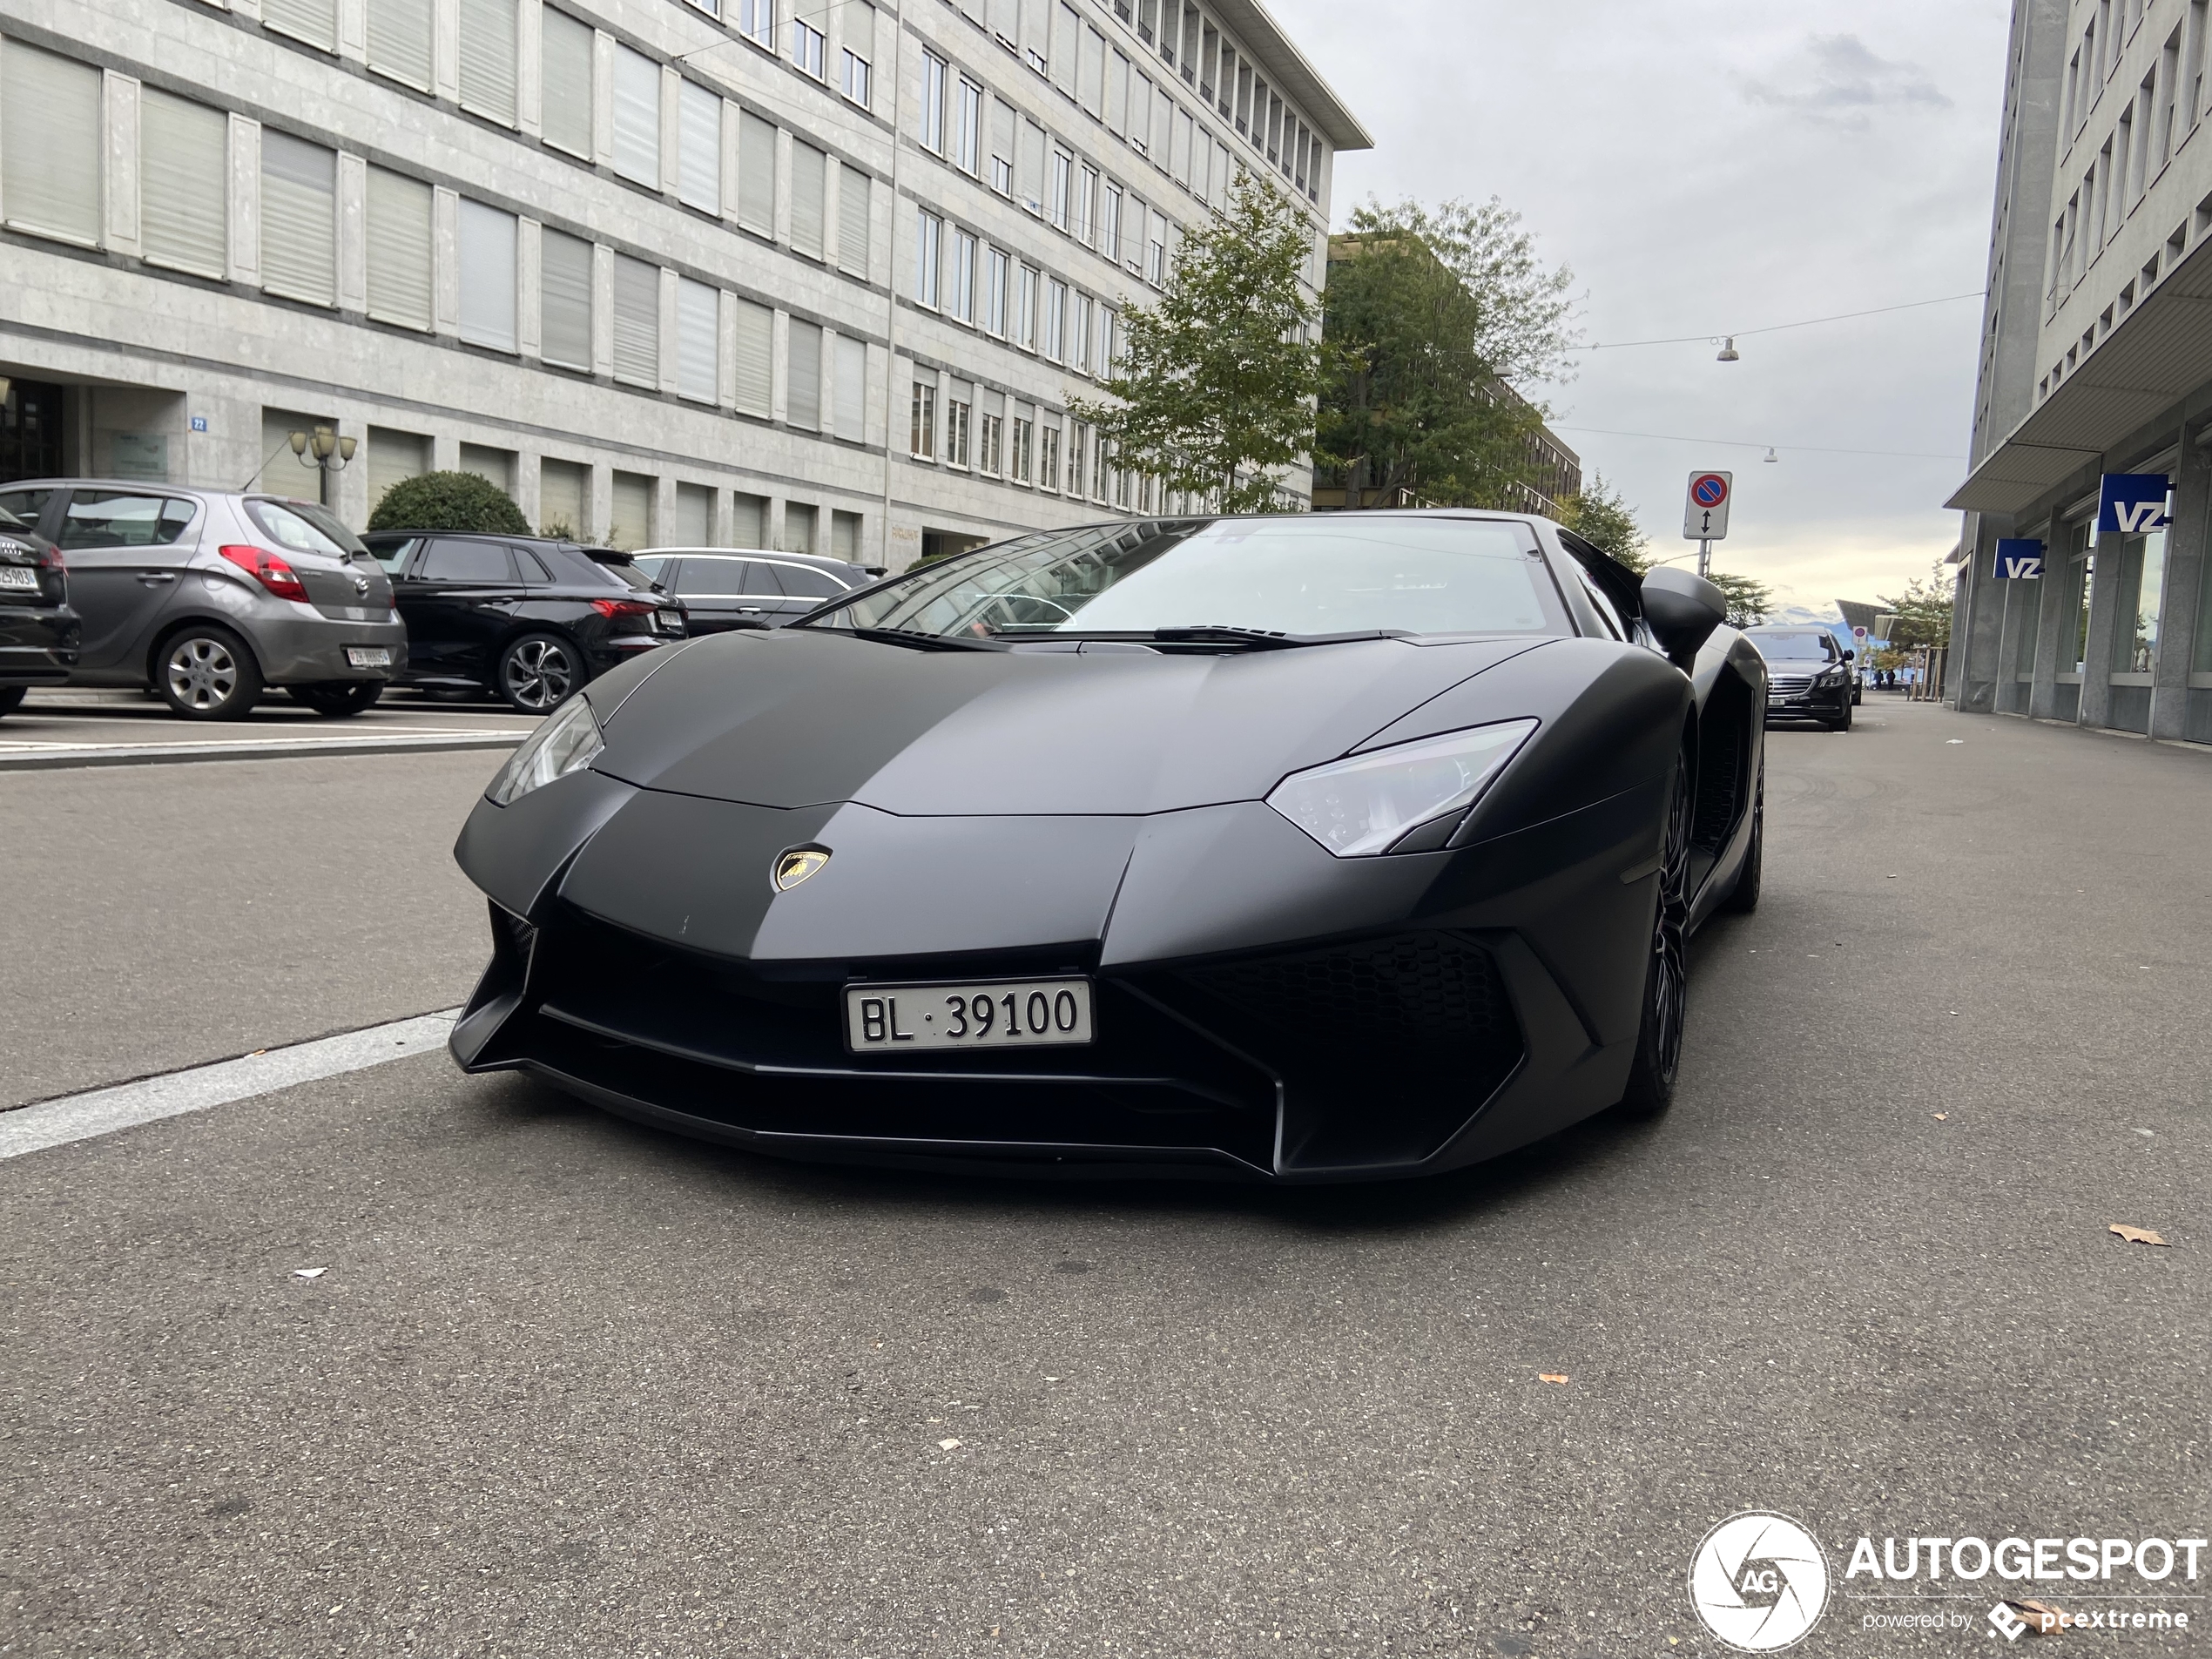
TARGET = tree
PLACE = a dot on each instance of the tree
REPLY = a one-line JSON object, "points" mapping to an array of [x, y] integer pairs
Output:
{"points": [[1923, 611], [448, 501], [1749, 602], [1431, 315], [1217, 379], [1607, 523]]}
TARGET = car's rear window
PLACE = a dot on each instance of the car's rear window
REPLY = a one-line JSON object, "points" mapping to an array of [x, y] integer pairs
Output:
{"points": [[303, 527]]}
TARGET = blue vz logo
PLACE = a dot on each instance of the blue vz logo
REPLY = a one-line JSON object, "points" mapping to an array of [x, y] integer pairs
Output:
{"points": [[2019, 560], [2132, 502]]}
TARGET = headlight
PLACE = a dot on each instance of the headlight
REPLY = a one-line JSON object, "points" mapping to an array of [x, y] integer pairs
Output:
{"points": [[1835, 676], [1361, 806], [564, 744]]}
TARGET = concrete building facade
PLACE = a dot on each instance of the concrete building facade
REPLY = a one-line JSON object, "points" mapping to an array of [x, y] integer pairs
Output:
{"points": [[2096, 360], [816, 274]]}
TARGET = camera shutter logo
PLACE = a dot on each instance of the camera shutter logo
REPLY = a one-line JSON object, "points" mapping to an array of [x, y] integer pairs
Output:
{"points": [[1758, 1582]]}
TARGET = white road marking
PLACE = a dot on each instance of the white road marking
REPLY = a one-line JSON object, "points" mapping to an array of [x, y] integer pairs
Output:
{"points": [[103, 1111]]}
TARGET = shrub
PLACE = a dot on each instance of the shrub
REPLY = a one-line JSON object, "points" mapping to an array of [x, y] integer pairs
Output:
{"points": [[448, 501]]}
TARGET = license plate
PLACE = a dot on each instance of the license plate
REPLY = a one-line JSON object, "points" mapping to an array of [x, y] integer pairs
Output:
{"points": [[1003, 1014], [368, 657], [19, 577]]}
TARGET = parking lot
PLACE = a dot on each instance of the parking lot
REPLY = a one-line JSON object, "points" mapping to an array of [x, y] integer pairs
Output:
{"points": [[562, 1384]]}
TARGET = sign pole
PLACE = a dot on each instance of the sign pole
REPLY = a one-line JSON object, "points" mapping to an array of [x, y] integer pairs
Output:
{"points": [[1705, 558]]}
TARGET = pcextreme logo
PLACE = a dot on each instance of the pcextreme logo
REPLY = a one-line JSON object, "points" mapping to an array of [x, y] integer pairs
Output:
{"points": [[1758, 1582]]}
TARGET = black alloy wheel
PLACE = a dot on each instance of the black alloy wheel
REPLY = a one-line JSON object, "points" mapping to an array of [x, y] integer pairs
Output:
{"points": [[1745, 898], [205, 673], [338, 698], [538, 671], [11, 698], [1665, 986]]}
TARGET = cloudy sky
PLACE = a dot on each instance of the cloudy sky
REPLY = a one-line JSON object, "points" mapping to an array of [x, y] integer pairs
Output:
{"points": [[1709, 169]]}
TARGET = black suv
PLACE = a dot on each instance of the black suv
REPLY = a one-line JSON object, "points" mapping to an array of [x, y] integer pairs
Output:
{"points": [[38, 631], [529, 619]]}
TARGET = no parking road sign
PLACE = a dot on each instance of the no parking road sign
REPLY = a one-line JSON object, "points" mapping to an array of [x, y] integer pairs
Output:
{"points": [[1705, 514]]}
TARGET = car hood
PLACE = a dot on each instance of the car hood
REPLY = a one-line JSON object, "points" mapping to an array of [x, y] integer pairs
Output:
{"points": [[801, 718]]}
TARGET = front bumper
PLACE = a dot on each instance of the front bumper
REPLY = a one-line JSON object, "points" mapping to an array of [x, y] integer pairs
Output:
{"points": [[1818, 703], [1325, 1020]]}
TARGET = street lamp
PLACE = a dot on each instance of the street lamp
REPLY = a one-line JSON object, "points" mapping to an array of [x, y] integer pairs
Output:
{"points": [[1729, 354], [323, 443]]}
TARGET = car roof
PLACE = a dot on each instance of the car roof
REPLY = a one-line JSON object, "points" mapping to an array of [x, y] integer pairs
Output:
{"points": [[743, 553]]}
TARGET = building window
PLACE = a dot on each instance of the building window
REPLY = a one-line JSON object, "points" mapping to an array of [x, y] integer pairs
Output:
{"points": [[1079, 333], [183, 168], [807, 45], [994, 270], [313, 21], [809, 199], [564, 306], [803, 385], [752, 354], [929, 232], [923, 436], [1025, 309], [1098, 470], [698, 148], [757, 22], [1048, 457], [637, 321], [1078, 440], [299, 215], [1055, 317], [1109, 223], [636, 117], [987, 448], [488, 54], [967, 130], [1002, 130], [565, 51], [399, 241], [1086, 204], [962, 301], [849, 416], [856, 78], [698, 341], [1024, 440], [756, 173], [1156, 254], [852, 222], [487, 249], [399, 41], [1063, 174], [957, 418], [1121, 488], [932, 102]]}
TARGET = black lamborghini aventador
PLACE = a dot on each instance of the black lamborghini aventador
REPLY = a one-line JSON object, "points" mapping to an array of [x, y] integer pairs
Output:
{"points": [[1307, 848]]}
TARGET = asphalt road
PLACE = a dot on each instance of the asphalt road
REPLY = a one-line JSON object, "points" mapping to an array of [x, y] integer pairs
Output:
{"points": [[569, 1387]]}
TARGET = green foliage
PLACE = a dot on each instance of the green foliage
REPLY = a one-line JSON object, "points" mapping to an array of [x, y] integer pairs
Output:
{"points": [[1607, 523], [1429, 322], [448, 501], [1217, 381], [1923, 610], [1749, 602]]}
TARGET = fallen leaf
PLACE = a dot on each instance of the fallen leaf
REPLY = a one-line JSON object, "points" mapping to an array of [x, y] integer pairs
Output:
{"points": [[1551, 1377], [1942, 1116], [309, 1273], [2137, 1235], [949, 1445], [2042, 1618]]}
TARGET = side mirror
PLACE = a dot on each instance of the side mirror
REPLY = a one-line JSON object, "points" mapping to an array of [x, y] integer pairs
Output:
{"points": [[1682, 611], [1850, 656]]}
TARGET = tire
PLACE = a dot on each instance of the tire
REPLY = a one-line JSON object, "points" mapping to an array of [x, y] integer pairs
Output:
{"points": [[337, 699], [1666, 984], [204, 672], [11, 698], [537, 671], [1745, 898], [1842, 724]]}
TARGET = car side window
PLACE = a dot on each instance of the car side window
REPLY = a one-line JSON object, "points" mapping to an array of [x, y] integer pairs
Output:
{"points": [[533, 569], [26, 504], [98, 518], [803, 583], [709, 578], [1606, 613], [446, 561], [760, 581], [392, 555]]}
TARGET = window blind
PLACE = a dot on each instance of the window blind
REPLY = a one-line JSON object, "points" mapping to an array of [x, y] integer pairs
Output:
{"points": [[632, 524], [487, 276], [183, 168], [399, 40], [754, 357], [637, 113], [565, 54], [809, 175], [852, 195], [298, 218], [698, 148], [694, 516], [488, 49], [1067, 42], [313, 21], [1030, 180], [748, 520], [564, 489], [50, 142], [757, 174], [399, 249], [637, 319], [393, 457], [699, 340], [803, 389], [564, 270], [851, 388]]}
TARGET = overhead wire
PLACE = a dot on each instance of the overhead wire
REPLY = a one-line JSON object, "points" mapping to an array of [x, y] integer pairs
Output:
{"points": [[1778, 327], [1745, 443]]}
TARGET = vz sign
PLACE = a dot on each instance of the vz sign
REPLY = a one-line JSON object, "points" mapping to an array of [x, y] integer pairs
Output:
{"points": [[2132, 502], [2018, 561]]}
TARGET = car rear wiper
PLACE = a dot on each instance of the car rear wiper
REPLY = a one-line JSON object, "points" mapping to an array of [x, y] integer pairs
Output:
{"points": [[1212, 634], [917, 640]]}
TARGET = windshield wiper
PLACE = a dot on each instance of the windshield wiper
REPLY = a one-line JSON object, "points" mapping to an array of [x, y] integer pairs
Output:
{"points": [[916, 639], [1211, 634]]}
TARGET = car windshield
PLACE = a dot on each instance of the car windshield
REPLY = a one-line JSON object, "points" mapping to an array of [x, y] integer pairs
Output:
{"points": [[304, 527], [1807, 647], [1324, 574]]}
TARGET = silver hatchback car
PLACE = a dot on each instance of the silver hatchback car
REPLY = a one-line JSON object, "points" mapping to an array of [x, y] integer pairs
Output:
{"points": [[210, 596]]}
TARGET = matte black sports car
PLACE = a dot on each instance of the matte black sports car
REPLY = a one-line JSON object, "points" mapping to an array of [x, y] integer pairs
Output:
{"points": [[1311, 849]]}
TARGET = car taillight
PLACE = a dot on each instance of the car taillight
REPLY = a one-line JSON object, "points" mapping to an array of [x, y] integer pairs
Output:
{"points": [[267, 568], [50, 558], [623, 607]]}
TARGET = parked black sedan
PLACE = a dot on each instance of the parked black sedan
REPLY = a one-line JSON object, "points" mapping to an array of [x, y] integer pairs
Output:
{"points": [[39, 630], [527, 618], [1809, 674], [723, 588]]}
